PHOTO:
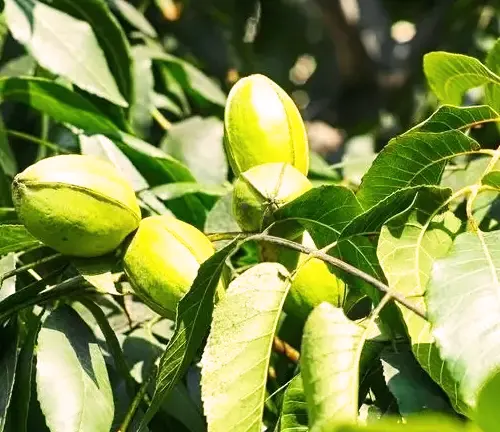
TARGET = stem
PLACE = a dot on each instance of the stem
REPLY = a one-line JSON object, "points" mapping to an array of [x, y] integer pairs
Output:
{"points": [[28, 266], [214, 237], [281, 347], [135, 403], [341, 265], [160, 119], [36, 140]]}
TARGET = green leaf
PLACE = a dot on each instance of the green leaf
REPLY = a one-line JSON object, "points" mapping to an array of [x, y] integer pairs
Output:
{"points": [[197, 142], [220, 218], [7, 160], [7, 286], [408, 246], [72, 381], [104, 148], [235, 361], [191, 78], [176, 190], [140, 112], [449, 117], [331, 349], [14, 238], [451, 75], [414, 390], [357, 158], [293, 416], [492, 91], [8, 361], [134, 17], [194, 314], [32, 24], [162, 101], [56, 101], [492, 179], [98, 272], [487, 404], [463, 303], [8, 215], [412, 159], [110, 37]]}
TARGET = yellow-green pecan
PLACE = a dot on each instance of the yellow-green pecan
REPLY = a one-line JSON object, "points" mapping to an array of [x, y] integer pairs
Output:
{"points": [[262, 124], [78, 205], [312, 282], [261, 190], [162, 261]]}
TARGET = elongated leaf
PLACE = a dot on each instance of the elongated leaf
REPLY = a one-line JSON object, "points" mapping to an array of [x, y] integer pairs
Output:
{"points": [[194, 313], [8, 162], [14, 238], [331, 349], [140, 112], [134, 17], [98, 272], [176, 190], [236, 358], [32, 23], [450, 75], [412, 159], [409, 244], [449, 117], [197, 142], [293, 416], [56, 101], [463, 302], [72, 381], [8, 361], [7, 286], [110, 36]]}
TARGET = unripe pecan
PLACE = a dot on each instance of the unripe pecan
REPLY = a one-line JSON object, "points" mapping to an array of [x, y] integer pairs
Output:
{"points": [[262, 124], [78, 205], [162, 261]]}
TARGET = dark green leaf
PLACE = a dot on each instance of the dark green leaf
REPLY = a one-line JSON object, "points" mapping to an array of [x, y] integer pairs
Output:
{"points": [[8, 361], [293, 416], [412, 159], [32, 24]]}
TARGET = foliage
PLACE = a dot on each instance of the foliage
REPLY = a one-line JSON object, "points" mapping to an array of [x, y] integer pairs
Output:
{"points": [[411, 229]]}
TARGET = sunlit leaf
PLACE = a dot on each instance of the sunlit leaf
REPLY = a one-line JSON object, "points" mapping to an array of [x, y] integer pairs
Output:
{"points": [[236, 358], [492, 90], [486, 414], [14, 238], [463, 302], [140, 112], [134, 17], [32, 23], [450, 75]]}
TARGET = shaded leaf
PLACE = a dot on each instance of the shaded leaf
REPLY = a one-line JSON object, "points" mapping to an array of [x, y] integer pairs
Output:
{"points": [[236, 358], [408, 246], [7, 161], [98, 272], [450, 75], [197, 142], [56, 101], [487, 403], [72, 381], [294, 410], [32, 24], [331, 347], [14, 238], [194, 314], [7, 286], [412, 159], [8, 361], [492, 91], [463, 303]]}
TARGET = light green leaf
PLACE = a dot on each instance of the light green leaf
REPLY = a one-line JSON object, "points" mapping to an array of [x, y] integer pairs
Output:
{"points": [[197, 142], [8, 286], [408, 246], [14, 238], [72, 381], [194, 314], [110, 36], [236, 358], [492, 179], [162, 101], [412, 159], [32, 24], [492, 91], [56, 101], [175, 190], [331, 350], [8, 163], [463, 303], [220, 218], [134, 17], [293, 416], [451, 75], [98, 272], [140, 112]]}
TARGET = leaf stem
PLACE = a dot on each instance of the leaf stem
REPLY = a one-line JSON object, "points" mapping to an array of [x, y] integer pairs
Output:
{"points": [[37, 140], [136, 402], [341, 265], [28, 266], [160, 119]]}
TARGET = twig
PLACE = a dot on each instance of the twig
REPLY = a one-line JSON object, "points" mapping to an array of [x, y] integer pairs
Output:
{"points": [[281, 347], [37, 140]]}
